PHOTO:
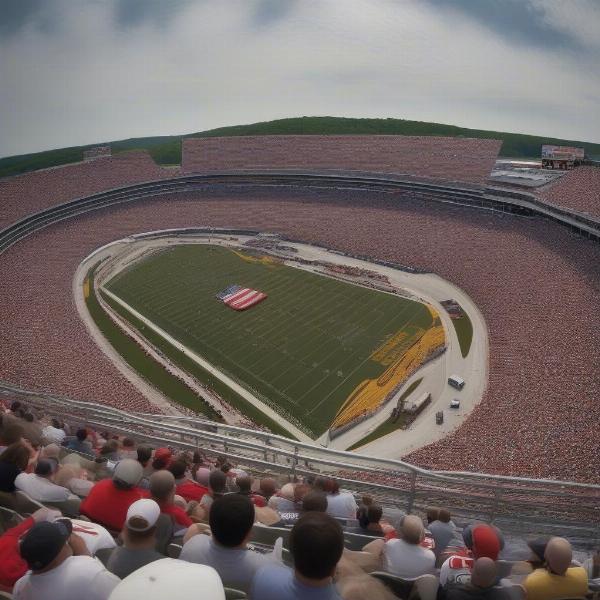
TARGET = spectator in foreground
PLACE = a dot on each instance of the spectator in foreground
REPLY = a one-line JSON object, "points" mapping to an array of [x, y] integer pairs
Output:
{"points": [[12, 566], [442, 530], [40, 486], [559, 579], [109, 499], [479, 585], [139, 539], [404, 556], [13, 461], [189, 490], [231, 522], [80, 444], [170, 578], [316, 544], [60, 566], [162, 490]]}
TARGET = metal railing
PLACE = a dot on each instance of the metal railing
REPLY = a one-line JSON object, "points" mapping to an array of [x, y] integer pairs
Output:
{"points": [[518, 505]]}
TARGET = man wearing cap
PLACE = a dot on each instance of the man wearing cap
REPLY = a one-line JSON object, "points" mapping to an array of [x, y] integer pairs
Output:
{"points": [[481, 540], [139, 539], [109, 499], [60, 566], [40, 486], [559, 579]]}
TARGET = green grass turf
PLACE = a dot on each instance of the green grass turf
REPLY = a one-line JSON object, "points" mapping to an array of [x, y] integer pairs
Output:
{"points": [[388, 426], [156, 375], [303, 350], [464, 332], [166, 150]]}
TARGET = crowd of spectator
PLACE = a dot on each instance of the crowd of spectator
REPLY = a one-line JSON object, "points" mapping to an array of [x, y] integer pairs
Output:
{"points": [[578, 190], [444, 158], [24, 194], [537, 285], [114, 540]]}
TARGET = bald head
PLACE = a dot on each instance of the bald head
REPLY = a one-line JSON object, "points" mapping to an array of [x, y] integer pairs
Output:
{"points": [[484, 573], [162, 484], [558, 555], [412, 529]]}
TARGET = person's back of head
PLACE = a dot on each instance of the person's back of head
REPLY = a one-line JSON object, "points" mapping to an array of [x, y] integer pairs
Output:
{"points": [[178, 469], [127, 474], [81, 434], [44, 468], [15, 406], [111, 447], [231, 519], [140, 523], [314, 501], [300, 490], [244, 484], [483, 540], [162, 485], [144, 454], [374, 513], [268, 487], [412, 530], [316, 544], [11, 434], [217, 481], [28, 417], [433, 514], [484, 573], [323, 484], [444, 515], [56, 424], [558, 555], [16, 454], [128, 443]]}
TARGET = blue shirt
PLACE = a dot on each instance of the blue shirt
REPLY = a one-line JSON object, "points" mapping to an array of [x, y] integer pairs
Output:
{"points": [[275, 582]]}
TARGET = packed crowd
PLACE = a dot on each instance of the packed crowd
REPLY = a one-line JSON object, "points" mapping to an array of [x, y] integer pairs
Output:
{"points": [[578, 189], [444, 158], [537, 285], [96, 515], [25, 194]]}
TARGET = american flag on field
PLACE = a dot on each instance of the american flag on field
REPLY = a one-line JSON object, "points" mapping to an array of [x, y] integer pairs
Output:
{"points": [[239, 297]]}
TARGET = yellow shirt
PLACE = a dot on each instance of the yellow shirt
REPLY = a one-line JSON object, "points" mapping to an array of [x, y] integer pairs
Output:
{"points": [[543, 585]]}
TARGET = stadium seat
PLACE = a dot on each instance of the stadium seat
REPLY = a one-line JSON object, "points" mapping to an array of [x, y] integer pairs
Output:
{"points": [[267, 536], [400, 587], [508, 592], [347, 522], [69, 508], [8, 518], [26, 505], [233, 594], [504, 568], [174, 550], [5, 595], [103, 555], [7, 500], [357, 541]]}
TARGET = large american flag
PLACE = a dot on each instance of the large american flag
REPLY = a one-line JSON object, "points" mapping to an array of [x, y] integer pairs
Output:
{"points": [[239, 297]]}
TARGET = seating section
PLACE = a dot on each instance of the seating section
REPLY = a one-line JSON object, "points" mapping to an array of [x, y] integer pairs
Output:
{"points": [[25, 194], [544, 329], [578, 190], [450, 159]]}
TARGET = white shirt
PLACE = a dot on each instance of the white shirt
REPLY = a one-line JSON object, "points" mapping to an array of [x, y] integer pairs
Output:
{"points": [[341, 505], [40, 488], [76, 578], [408, 561], [52, 435]]}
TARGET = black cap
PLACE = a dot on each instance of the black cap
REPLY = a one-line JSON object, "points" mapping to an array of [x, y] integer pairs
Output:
{"points": [[43, 542], [44, 467]]}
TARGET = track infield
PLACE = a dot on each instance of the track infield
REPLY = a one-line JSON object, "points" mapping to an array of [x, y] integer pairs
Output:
{"points": [[303, 350]]}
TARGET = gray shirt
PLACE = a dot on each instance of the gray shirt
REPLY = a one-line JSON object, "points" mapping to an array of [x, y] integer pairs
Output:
{"points": [[124, 561], [235, 566], [443, 534]]}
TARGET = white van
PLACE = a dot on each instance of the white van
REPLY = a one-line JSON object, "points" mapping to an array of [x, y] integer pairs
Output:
{"points": [[458, 383]]}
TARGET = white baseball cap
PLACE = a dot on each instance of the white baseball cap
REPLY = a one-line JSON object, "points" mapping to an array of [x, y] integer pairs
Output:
{"points": [[145, 509], [170, 578]]}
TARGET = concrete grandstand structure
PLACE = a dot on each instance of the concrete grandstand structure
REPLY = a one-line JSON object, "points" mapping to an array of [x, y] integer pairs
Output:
{"points": [[537, 284]]}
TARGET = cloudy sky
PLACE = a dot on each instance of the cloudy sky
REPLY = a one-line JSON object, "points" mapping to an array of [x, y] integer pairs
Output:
{"points": [[83, 71]]}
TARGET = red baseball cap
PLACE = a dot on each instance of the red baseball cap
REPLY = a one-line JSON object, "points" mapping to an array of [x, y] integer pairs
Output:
{"points": [[163, 454]]}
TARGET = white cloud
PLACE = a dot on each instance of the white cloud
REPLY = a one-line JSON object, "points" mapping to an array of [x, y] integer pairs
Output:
{"points": [[213, 66]]}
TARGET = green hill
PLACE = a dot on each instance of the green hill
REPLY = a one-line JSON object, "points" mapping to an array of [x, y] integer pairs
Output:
{"points": [[166, 150]]}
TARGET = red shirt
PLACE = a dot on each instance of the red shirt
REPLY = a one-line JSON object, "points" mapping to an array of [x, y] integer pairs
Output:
{"points": [[176, 513], [12, 566], [106, 504], [190, 490]]}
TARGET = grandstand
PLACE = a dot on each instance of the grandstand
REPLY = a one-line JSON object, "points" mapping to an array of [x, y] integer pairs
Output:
{"points": [[438, 158]]}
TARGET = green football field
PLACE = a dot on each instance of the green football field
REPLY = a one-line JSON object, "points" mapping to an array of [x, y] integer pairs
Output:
{"points": [[303, 350]]}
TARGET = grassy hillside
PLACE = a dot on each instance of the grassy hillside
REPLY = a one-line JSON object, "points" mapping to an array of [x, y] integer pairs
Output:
{"points": [[166, 150]]}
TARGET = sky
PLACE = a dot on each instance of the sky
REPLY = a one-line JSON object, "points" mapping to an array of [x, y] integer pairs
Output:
{"points": [[76, 72]]}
